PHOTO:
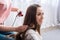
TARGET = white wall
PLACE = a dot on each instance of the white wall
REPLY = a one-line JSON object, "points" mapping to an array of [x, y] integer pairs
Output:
{"points": [[50, 12], [9, 21], [58, 12], [49, 8]]}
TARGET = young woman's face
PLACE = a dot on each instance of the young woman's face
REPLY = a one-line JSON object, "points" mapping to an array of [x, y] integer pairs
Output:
{"points": [[39, 16]]}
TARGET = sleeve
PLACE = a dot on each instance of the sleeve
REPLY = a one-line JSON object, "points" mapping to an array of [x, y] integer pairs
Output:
{"points": [[29, 37], [32, 35]]}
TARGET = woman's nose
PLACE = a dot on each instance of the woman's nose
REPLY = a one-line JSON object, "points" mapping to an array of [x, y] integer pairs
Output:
{"points": [[41, 16]]}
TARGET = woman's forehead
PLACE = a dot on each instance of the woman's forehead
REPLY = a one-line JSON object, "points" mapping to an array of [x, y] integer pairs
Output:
{"points": [[39, 9]]}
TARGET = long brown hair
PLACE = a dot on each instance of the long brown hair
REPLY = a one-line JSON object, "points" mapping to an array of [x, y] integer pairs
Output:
{"points": [[30, 17]]}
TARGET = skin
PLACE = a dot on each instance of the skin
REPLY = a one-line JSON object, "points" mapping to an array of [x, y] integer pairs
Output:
{"points": [[2, 9], [39, 18], [10, 28]]}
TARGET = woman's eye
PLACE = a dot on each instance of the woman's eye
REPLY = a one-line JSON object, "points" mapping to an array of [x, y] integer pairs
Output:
{"points": [[40, 14]]}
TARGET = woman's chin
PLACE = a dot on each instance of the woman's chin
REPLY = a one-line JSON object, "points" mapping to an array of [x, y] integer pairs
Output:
{"points": [[40, 23]]}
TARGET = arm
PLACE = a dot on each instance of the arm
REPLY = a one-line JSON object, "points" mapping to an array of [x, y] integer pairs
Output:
{"points": [[10, 28], [6, 28], [14, 9]]}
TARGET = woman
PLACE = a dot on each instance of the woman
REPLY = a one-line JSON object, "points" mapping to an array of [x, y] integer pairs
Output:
{"points": [[33, 19]]}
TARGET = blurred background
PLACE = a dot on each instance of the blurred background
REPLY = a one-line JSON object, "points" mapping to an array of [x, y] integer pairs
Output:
{"points": [[51, 9]]}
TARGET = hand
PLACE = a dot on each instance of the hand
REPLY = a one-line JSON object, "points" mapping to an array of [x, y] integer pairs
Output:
{"points": [[21, 28], [14, 9], [11, 35]]}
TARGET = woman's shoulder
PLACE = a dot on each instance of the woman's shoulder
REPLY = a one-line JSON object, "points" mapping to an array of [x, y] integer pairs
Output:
{"points": [[33, 34], [30, 31]]}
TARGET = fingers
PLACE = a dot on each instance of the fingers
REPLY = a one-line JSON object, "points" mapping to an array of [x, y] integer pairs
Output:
{"points": [[21, 28]]}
